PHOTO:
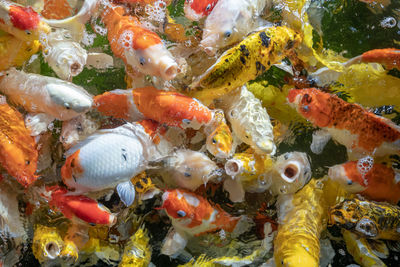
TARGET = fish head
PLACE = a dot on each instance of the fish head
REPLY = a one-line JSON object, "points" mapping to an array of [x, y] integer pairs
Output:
{"points": [[345, 214], [154, 60], [347, 176], [312, 104], [220, 141], [180, 206], [68, 100], [197, 9], [72, 170], [367, 228], [215, 37]]}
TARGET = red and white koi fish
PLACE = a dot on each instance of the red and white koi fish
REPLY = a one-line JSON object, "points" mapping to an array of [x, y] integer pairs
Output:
{"points": [[22, 22], [362, 132], [137, 46], [375, 181], [193, 215], [198, 9], [79, 206], [109, 158], [171, 108]]}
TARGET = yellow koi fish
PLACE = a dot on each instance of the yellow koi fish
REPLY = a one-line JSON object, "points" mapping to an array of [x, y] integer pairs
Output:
{"points": [[137, 251]]}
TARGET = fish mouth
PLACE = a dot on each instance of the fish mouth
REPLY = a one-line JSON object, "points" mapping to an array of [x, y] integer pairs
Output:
{"points": [[291, 171], [233, 167], [52, 250]]}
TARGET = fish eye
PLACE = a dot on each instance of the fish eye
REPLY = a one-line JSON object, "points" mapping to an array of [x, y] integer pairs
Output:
{"points": [[307, 98], [66, 105], [27, 162], [208, 7], [181, 213], [349, 182], [214, 141], [306, 108], [142, 61], [187, 174], [228, 34]]}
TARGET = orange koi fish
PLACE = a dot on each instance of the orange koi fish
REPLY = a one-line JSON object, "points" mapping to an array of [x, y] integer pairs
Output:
{"points": [[79, 206], [18, 153], [390, 57], [56, 9], [137, 46], [22, 22], [373, 180], [166, 107], [198, 9], [194, 215], [362, 132]]}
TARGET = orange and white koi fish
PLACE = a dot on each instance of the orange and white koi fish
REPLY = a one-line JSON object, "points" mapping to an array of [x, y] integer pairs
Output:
{"points": [[41, 94], [109, 158], [375, 181], [137, 46], [198, 9], [362, 132], [22, 22], [193, 215], [390, 57], [79, 206], [171, 108]]}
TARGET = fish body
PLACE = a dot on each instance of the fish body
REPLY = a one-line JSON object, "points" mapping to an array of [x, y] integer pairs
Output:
{"points": [[80, 206], [362, 132], [107, 158], [166, 107], [41, 94], [18, 152], [373, 180], [249, 120], [244, 62], [22, 22], [137, 251], [370, 219], [228, 23], [137, 46], [198, 9], [390, 57], [194, 215]]}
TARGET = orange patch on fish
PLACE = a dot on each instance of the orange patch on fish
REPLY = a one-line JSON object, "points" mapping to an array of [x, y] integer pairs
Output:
{"points": [[153, 129], [71, 167], [56, 9], [23, 18], [111, 104]]}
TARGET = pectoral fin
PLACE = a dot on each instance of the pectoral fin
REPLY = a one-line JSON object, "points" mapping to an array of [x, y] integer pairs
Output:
{"points": [[126, 192]]}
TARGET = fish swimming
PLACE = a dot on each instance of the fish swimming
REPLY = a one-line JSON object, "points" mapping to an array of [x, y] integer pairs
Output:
{"points": [[360, 131], [137, 46], [229, 22], [79, 206], [198, 9], [370, 219], [137, 251], [219, 140], [166, 107], [373, 180], [41, 94]]}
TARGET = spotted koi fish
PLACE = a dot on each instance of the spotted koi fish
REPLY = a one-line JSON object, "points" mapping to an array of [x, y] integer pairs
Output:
{"points": [[362, 132], [373, 180], [198, 9], [171, 108], [244, 62], [373, 220], [136, 46], [22, 22], [79, 206]]}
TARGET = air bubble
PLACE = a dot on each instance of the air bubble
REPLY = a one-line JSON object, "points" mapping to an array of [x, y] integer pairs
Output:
{"points": [[364, 165], [388, 22]]}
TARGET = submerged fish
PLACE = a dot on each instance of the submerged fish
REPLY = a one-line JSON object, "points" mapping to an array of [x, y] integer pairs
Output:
{"points": [[41, 94], [373, 180], [47, 243], [137, 46], [362, 132], [137, 251], [198, 9], [79, 206], [171, 108], [373, 220]]}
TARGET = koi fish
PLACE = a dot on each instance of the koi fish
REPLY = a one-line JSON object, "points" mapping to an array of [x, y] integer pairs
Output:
{"points": [[244, 62], [87, 168], [390, 57], [18, 152], [189, 169], [249, 120], [171, 108], [229, 22], [56, 9], [79, 206], [41, 94], [144, 186], [136, 46], [360, 131], [373, 180], [137, 252], [370, 219], [192, 215], [22, 22], [47, 243], [198, 9]]}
